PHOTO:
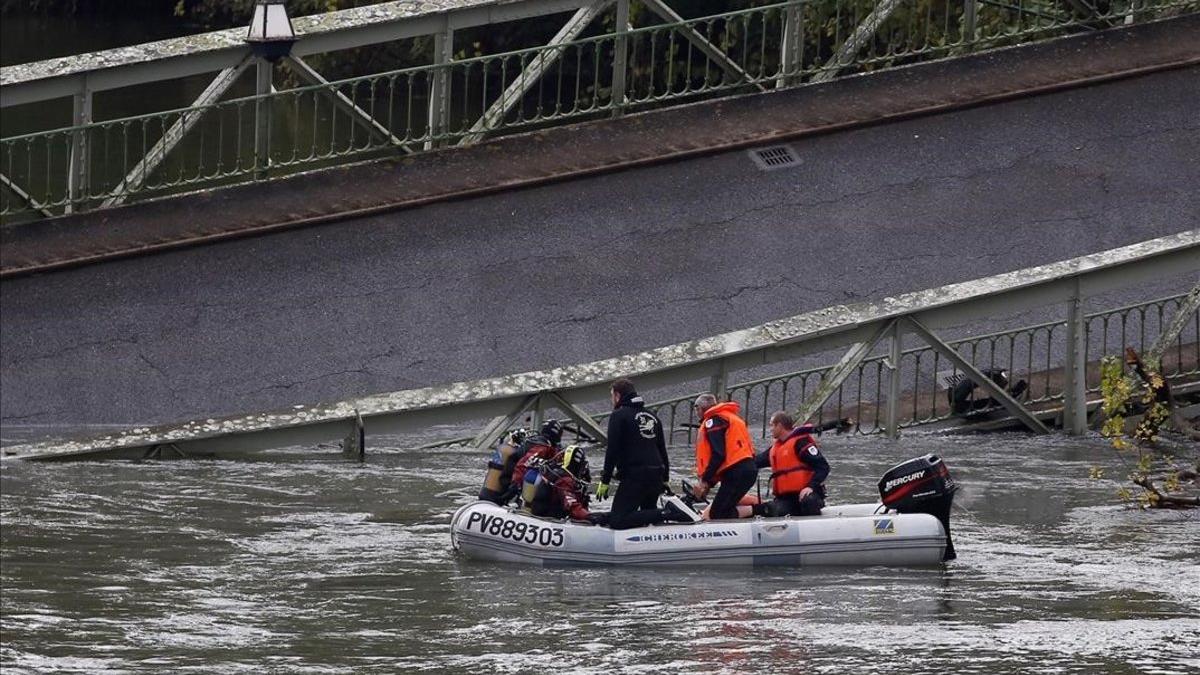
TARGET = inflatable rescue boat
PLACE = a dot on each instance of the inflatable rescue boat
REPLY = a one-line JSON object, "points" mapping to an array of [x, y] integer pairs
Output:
{"points": [[909, 527]]}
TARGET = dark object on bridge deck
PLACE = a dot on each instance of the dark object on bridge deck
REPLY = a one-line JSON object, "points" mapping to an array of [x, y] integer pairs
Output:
{"points": [[962, 395], [921, 485], [1160, 387]]}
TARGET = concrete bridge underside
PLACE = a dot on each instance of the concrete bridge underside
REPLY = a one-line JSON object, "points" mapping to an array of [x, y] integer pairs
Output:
{"points": [[600, 266]]}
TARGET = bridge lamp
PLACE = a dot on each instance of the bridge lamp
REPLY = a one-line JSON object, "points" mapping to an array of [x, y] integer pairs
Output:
{"points": [[271, 35]]}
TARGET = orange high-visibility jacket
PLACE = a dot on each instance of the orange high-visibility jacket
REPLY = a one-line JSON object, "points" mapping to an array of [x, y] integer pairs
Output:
{"points": [[737, 439], [790, 474]]}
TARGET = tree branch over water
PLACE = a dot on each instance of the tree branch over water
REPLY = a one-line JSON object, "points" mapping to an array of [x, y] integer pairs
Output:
{"points": [[1147, 395]]}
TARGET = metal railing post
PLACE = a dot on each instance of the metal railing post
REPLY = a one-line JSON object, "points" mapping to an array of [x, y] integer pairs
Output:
{"points": [[539, 412], [78, 178], [620, 53], [970, 21], [891, 419], [1075, 368], [790, 46], [719, 384], [439, 89], [262, 118]]}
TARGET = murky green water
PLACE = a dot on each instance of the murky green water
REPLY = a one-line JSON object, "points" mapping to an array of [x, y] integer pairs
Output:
{"points": [[308, 563]]}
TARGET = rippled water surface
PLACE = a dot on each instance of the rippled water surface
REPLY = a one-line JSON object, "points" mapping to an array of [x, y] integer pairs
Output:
{"points": [[301, 562]]}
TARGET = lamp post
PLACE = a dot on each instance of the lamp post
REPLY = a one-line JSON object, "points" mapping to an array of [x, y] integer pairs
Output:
{"points": [[271, 35]]}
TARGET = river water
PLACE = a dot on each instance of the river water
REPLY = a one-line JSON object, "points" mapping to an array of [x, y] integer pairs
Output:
{"points": [[305, 562]]}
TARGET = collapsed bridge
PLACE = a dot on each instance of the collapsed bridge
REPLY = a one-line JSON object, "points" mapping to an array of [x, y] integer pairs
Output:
{"points": [[907, 329]]}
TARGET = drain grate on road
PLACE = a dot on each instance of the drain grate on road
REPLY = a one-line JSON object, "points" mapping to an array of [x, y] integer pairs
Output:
{"points": [[774, 157]]}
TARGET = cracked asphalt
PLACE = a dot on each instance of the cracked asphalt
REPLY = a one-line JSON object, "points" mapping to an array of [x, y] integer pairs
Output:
{"points": [[602, 266]]}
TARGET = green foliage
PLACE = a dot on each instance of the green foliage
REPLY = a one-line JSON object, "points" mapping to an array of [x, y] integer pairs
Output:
{"points": [[1117, 390], [1124, 394]]}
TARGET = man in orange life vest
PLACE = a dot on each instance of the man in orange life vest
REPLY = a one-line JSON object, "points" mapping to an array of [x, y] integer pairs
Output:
{"points": [[724, 454], [798, 471]]}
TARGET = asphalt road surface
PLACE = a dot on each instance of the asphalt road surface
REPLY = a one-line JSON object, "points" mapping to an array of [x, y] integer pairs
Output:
{"points": [[599, 267]]}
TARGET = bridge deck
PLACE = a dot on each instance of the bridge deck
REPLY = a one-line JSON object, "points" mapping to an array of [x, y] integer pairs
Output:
{"points": [[588, 148]]}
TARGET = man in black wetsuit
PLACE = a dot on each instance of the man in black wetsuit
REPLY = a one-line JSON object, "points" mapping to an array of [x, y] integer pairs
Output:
{"points": [[637, 453]]}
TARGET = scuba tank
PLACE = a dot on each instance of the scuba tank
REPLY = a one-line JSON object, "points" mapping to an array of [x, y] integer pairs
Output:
{"points": [[500, 467]]}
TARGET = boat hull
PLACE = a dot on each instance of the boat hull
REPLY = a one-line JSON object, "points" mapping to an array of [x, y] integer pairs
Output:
{"points": [[848, 535]]}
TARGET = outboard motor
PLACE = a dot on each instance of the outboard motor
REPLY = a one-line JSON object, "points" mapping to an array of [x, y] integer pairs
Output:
{"points": [[921, 485]]}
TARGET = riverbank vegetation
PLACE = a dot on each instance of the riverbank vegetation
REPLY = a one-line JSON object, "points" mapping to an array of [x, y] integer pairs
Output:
{"points": [[1155, 439]]}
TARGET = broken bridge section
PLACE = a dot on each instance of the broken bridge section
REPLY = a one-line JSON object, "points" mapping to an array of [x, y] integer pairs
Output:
{"points": [[573, 390]]}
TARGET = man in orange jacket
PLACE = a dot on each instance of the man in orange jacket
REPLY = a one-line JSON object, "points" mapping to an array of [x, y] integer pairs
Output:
{"points": [[798, 470], [724, 455]]}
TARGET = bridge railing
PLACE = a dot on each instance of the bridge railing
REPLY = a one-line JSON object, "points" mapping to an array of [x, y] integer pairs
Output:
{"points": [[1033, 353], [667, 61]]}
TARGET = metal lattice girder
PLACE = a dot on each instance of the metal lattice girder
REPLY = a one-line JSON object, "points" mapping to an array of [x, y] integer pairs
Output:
{"points": [[24, 196], [343, 102], [155, 156], [496, 428], [533, 72], [1186, 309], [997, 392], [709, 49], [864, 32], [838, 374], [584, 420]]}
